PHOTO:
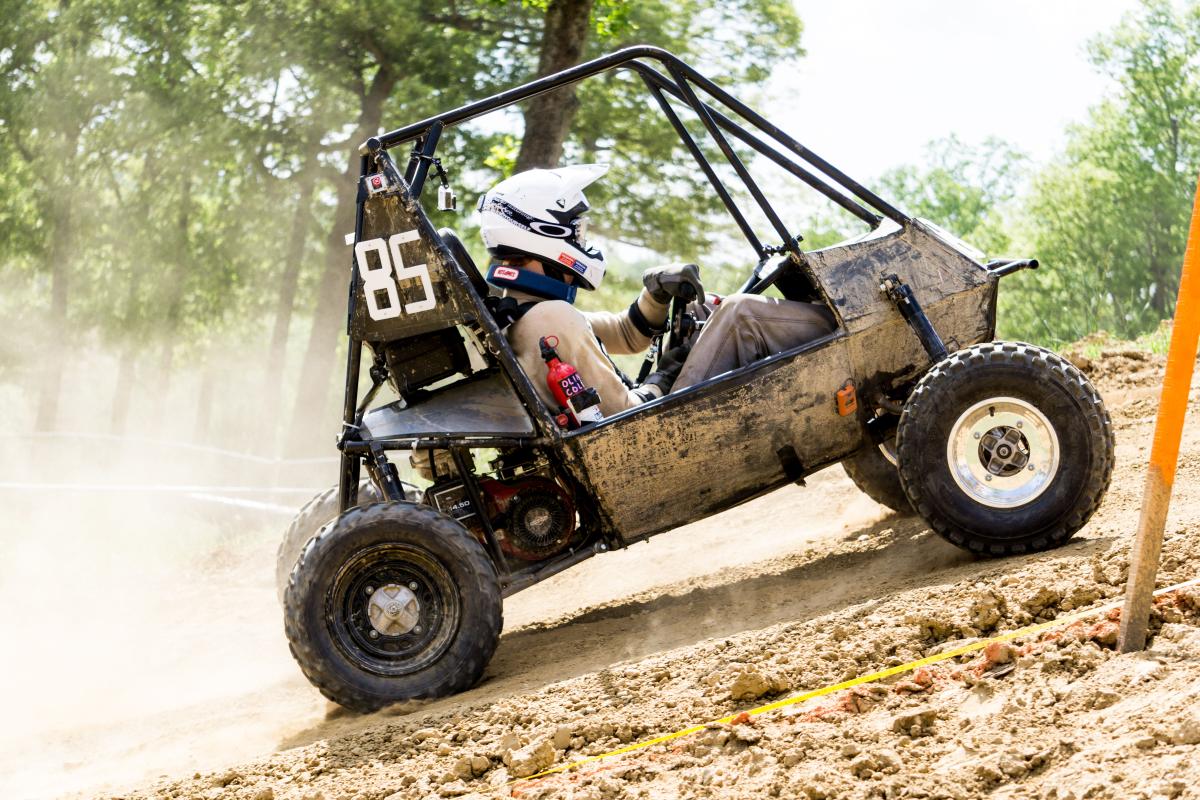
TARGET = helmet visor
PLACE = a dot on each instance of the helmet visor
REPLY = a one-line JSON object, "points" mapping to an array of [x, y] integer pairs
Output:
{"points": [[581, 229]]}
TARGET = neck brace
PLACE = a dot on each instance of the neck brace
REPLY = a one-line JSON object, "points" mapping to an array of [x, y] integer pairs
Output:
{"points": [[523, 280]]}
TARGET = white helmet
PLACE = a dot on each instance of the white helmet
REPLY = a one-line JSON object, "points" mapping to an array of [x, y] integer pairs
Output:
{"points": [[539, 214]]}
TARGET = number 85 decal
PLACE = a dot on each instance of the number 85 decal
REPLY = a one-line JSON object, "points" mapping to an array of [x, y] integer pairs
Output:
{"points": [[383, 280]]}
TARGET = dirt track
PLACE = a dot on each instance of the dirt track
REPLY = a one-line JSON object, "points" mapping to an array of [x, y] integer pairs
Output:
{"points": [[797, 590]]}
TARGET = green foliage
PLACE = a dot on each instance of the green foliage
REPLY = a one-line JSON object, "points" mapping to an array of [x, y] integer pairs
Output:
{"points": [[1109, 220], [502, 156], [962, 188]]}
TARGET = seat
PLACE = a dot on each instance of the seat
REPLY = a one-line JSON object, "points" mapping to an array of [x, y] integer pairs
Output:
{"points": [[459, 251], [503, 309]]}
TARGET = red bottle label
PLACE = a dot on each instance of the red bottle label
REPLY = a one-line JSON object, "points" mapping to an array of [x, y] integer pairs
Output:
{"points": [[571, 385]]}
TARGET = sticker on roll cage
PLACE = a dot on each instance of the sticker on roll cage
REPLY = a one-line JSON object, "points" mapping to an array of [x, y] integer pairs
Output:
{"points": [[385, 279]]}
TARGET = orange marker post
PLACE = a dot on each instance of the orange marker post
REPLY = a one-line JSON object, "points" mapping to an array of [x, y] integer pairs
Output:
{"points": [[1168, 430]]}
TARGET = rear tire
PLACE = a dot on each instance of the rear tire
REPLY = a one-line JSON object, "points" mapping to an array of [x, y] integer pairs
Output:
{"points": [[392, 602], [1005, 448], [315, 514], [878, 478]]}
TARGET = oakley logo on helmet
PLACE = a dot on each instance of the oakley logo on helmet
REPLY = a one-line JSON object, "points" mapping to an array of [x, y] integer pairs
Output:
{"points": [[551, 229]]}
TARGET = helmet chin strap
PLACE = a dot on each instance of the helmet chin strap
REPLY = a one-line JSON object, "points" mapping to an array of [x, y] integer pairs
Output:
{"points": [[506, 277]]}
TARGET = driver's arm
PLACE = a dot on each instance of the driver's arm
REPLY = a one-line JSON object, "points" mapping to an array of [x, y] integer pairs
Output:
{"points": [[631, 330]]}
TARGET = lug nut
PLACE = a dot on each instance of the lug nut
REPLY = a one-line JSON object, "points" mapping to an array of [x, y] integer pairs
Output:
{"points": [[1019, 423], [977, 434], [416, 629], [987, 477], [1031, 467], [369, 590], [374, 634], [412, 585]]}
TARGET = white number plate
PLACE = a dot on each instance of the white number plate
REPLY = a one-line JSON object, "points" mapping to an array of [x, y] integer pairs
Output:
{"points": [[384, 279]]}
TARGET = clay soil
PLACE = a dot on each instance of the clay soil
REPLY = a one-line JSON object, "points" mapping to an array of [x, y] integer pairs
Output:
{"points": [[798, 590]]}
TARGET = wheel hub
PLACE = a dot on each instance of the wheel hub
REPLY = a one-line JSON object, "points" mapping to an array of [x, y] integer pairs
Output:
{"points": [[1003, 452], [393, 610]]}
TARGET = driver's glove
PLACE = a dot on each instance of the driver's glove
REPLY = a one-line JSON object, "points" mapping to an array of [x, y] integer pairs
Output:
{"points": [[669, 365], [675, 280]]}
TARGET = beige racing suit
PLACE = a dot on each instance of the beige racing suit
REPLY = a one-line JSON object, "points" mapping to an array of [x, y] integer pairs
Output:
{"points": [[580, 335]]}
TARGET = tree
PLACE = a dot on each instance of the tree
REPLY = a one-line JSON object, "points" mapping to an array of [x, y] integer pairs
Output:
{"points": [[53, 49], [375, 59], [1109, 220], [962, 188], [548, 116]]}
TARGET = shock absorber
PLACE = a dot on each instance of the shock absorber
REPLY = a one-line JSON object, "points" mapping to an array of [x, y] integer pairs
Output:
{"points": [[578, 403]]}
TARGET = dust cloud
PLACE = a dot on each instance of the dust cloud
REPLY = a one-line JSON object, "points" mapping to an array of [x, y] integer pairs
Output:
{"points": [[136, 575]]}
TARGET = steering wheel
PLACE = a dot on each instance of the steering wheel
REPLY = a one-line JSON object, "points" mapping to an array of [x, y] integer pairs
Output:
{"points": [[679, 321]]}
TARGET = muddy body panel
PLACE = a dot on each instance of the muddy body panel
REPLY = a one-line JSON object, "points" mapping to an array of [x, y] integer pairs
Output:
{"points": [[957, 294], [698, 452], [850, 275]]}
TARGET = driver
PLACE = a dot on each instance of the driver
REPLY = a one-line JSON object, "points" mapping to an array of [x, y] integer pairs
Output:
{"points": [[534, 227]]}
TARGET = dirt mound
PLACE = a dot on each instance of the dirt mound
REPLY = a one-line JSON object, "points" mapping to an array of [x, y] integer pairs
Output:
{"points": [[1126, 366], [1057, 716]]}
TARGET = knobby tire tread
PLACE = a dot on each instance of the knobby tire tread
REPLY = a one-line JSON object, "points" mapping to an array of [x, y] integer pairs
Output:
{"points": [[943, 377], [866, 470], [316, 513], [485, 631]]}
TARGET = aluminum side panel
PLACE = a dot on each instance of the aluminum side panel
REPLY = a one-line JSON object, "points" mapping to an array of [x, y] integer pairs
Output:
{"points": [[937, 273], [710, 447]]}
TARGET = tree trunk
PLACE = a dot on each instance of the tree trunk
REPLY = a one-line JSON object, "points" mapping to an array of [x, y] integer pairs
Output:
{"points": [[173, 302], [204, 403], [160, 391], [313, 393], [548, 116], [273, 373], [56, 326], [123, 392]]}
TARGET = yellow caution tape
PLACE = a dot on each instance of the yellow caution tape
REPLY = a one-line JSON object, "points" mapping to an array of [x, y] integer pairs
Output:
{"points": [[837, 687]]}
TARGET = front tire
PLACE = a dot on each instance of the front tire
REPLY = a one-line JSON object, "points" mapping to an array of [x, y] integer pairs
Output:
{"points": [[392, 602], [1005, 448]]}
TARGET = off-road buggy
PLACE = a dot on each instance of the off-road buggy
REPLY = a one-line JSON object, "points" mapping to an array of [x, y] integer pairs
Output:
{"points": [[1002, 447]]}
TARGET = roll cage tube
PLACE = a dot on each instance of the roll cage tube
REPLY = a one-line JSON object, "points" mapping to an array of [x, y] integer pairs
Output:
{"points": [[828, 180]]}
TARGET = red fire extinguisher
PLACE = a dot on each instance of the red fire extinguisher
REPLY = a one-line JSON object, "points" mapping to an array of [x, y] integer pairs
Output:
{"points": [[579, 403]]}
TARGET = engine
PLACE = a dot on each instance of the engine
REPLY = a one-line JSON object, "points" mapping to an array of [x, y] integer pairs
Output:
{"points": [[532, 514]]}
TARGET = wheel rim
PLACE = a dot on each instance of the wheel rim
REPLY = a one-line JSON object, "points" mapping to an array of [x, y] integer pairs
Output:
{"points": [[393, 609], [1003, 452]]}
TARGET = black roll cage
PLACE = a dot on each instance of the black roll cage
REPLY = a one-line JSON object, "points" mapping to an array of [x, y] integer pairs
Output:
{"points": [[680, 82]]}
